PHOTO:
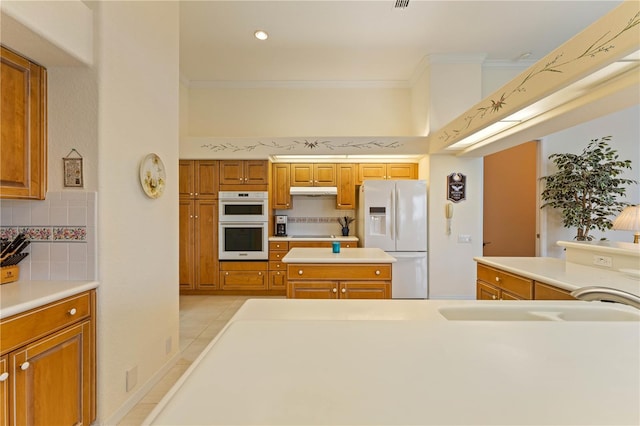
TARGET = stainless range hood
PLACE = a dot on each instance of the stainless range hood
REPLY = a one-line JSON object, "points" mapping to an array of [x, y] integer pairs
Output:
{"points": [[313, 191]]}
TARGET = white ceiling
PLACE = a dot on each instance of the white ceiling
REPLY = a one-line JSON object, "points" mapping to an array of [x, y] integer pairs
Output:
{"points": [[366, 40]]}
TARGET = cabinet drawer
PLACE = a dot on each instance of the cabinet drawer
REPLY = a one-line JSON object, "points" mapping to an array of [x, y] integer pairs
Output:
{"points": [[547, 292], [276, 255], [277, 266], [339, 272], [22, 328], [244, 266], [243, 280], [279, 246], [514, 284]]}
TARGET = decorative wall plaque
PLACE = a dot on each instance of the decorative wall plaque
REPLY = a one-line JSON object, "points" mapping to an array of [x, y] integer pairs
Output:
{"points": [[456, 187], [73, 170]]}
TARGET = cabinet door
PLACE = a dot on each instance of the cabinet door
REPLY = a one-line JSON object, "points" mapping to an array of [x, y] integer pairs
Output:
{"points": [[256, 172], [324, 174], [301, 174], [367, 171], [206, 244], [186, 178], [281, 198], [346, 187], [402, 171], [206, 180], [53, 379], [4, 390], [508, 296], [365, 290], [186, 245], [23, 117], [231, 172], [486, 292], [277, 280], [243, 280], [312, 289]]}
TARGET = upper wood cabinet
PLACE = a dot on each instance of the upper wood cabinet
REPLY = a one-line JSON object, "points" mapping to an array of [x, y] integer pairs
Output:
{"points": [[23, 117], [346, 186], [244, 175], [280, 184], [198, 179], [316, 174], [379, 171]]}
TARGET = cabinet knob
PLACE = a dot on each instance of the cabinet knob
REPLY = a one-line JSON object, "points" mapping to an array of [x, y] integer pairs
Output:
{"points": [[493, 296], [335, 290], [287, 204], [344, 290], [277, 266], [24, 365], [4, 376], [338, 204], [277, 245], [246, 179], [348, 245], [191, 217], [377, 272], [72, 311], [498, 279], [278, 273], [196, 194], [299, 271], [259, 273], [191, 193], [226, 273], [196, 216]]}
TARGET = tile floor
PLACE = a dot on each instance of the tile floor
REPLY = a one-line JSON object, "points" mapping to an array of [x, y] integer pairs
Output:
{"points": [[201, 318]]}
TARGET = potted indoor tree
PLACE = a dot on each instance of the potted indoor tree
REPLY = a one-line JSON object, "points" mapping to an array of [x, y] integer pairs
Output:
{"points": [[587, 187]]}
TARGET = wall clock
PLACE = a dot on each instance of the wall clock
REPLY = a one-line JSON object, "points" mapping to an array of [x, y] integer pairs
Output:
{"points": [[152, 176]]}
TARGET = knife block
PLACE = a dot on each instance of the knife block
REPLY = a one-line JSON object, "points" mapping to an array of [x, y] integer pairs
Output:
{"points": [[9, 274]]}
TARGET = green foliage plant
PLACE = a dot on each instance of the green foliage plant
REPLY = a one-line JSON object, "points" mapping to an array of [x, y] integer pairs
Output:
{"points": [[587, 187]]}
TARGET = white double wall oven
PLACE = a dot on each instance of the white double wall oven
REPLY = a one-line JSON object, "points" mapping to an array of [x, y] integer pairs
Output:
{"points": [[243, 222]]}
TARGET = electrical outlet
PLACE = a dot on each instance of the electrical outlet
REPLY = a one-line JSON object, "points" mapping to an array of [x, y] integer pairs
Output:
{"points": [[168, 344], [132, 378], [602, 261]]}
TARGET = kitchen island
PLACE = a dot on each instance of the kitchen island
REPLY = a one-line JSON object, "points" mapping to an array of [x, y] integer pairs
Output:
{"points": [[391, 362], [353, 273]]}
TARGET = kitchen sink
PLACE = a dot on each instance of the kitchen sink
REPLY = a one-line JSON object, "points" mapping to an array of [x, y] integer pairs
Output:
{"points": [[529, 312]]}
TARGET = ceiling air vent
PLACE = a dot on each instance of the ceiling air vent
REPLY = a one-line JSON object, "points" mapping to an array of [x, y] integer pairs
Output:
{"points": [[401, 4]]}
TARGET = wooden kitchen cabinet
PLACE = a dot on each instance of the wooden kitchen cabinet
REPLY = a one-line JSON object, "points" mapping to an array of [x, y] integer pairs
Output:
{"points": [[244, 275], [328, 244], [4, 390], [49, 356], [23, 119], [280, 184], [313, 174], [339, 281], [240, 175], [198, 245], [381, 171], [346, 184], [277, 269], [494, 284], [198, 179], [542, 291]]}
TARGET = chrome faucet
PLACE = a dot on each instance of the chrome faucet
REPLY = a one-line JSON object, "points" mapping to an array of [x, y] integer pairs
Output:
{"points": [[607, 294]]}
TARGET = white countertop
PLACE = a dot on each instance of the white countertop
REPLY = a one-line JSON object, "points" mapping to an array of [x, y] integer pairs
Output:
{"points": [[392, 362], [346, 255], [617, 247], [21, 296], [312, 238], [566, 275]]}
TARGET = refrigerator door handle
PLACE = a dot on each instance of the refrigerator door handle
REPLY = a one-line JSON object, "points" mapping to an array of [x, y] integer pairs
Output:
{"points": [[395, 214]]}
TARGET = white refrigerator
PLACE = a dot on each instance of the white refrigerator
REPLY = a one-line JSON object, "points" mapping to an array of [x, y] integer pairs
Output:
{"points": [[392, 215]]}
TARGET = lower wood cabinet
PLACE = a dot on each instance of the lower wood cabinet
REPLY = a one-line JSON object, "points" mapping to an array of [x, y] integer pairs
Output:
{"points": [[47, 365], [339, 281], [496, 284], [243, 275]]}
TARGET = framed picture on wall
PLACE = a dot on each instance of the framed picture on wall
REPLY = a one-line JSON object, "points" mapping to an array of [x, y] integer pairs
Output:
{"points": [[73, 171]]}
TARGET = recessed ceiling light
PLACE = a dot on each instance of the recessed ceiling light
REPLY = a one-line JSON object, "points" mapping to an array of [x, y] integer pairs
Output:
{"points": [[261, 35]]}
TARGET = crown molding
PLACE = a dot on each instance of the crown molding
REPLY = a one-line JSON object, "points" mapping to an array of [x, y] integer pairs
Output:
{"points": [[300, 84]]}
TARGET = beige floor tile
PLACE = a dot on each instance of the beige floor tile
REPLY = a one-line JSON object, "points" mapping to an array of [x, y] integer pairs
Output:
{"points": [[213, 329], [194, 349], [162, 387]]}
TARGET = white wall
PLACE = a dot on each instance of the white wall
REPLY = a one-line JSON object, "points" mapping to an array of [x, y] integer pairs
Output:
{"points": [[299, 111], [137, 62], [625, 132], [454, 84]]}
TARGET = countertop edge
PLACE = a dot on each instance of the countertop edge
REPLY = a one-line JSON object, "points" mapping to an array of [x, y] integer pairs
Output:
{"points": [[41, 298]]}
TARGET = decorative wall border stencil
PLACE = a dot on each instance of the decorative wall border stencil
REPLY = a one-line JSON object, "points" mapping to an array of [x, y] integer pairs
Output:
{"points": [[275, 147], [609, 39], [49, 234]]}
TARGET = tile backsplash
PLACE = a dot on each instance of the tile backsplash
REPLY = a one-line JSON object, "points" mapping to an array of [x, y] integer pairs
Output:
{"points": [[62, 231], [315, 216]]}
